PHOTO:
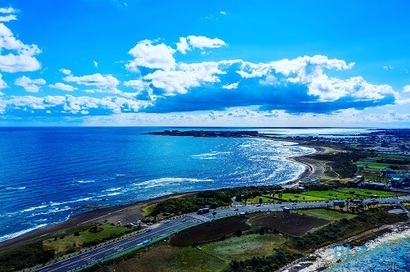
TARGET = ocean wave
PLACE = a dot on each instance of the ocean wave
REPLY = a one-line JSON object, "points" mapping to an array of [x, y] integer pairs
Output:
{"points": [[16, 234], [70, 201], [114, 194], [15, 188], [34, 208], [51, 211], [169, 181], [113, 189], [86, 181], [210, 156]]}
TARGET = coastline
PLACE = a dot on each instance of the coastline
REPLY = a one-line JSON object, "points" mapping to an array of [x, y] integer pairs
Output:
{"points": [[313, 169], [130, 212], [124, 213], [324, 258]]}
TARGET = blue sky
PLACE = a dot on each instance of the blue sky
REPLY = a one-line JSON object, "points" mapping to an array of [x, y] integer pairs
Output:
{"points": [[204, 63]]}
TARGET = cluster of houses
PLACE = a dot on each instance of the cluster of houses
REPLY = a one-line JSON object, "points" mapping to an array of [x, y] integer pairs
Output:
{"points": [[396, 180]]}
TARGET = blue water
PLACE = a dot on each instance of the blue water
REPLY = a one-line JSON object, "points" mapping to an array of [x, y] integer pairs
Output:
{"points": [[391, 256], [48, 175]]}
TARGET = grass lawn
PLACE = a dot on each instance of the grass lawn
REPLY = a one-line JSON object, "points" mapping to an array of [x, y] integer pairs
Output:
{"points": [[368, 193], [241, 248], [330, 215], [148, 209], [67, 241], [372, 165], [344, 193], [165, 258]]}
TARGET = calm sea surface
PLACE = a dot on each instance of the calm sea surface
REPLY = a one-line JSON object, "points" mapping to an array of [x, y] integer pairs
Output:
{"points": [[48, 175]]}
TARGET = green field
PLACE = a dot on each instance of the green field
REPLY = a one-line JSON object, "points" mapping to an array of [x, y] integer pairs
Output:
{"points": [[64, 242], [240, 248], [163, 257], [372, 165], [330, 215], [344, 193]]}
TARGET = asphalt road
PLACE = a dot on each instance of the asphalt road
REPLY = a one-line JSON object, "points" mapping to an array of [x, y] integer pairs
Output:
{"points": [[166, 228]]}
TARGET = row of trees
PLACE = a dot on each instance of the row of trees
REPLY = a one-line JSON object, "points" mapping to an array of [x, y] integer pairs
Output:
{"points": [[212, 198], [25, 256]]}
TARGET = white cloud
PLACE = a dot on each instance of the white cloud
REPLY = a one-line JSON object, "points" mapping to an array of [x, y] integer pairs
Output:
{"points": [[223, 12], [406, 89], [8, 10], [231, 86], [8, 18], [103, 83], [186, 77], [309, 71], [9, 14], [200, 42], [62, 87], [95, 64], [158, 56], [182, 45], [388, 67], [65, 71], [30, 85], [15, 56], [3, 84]]}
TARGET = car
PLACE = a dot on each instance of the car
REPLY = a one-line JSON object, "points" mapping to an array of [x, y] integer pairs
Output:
{"points": [[184, 220], [236, 209], [167, 221], [148, 230]]}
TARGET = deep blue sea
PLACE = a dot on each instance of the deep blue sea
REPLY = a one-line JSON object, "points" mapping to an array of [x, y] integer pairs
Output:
{"points": [[48, 175]]}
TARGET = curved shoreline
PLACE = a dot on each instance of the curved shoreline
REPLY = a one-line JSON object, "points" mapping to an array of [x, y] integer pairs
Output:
{"points": [[125, 212], [325, 258]]}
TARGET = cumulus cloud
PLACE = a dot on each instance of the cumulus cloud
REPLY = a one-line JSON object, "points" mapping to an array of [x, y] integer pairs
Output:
{"points": [[406, 89], [231, 86], [67, 105], [153, 56], [101, 83], [62, 87], [3, 84], [15, 56], [30, 85], [65, 71], [7, 14], [200, 42], [296, 85], [185, 77]]}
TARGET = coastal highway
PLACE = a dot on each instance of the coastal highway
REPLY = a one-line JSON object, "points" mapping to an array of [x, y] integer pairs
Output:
{"points": [[166, 228]]}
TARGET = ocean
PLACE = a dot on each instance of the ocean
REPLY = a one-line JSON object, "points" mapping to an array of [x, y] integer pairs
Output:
{"points": [[48, 175]]}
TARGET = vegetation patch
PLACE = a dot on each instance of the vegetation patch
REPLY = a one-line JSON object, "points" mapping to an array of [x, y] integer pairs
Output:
{"points": [[240, 248], [24, 256], [86, 236], [343, 229], [329, 215], [210, 231], [292, 224], [166, 258]]}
